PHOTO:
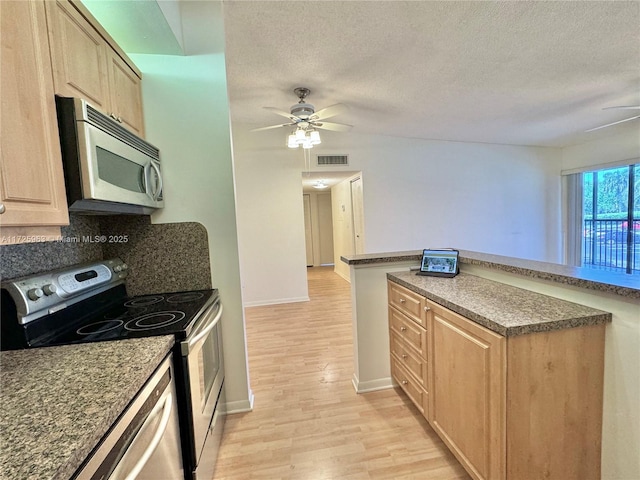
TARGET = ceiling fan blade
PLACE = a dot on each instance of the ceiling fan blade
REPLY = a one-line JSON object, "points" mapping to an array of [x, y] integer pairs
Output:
{"points": [[623, 107], [336, 127], [330, 111], [277, 111], [272, 126], [614, 123]]}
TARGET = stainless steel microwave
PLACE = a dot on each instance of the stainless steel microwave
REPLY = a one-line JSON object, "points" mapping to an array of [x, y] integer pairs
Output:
{"points": [[107, 168]]}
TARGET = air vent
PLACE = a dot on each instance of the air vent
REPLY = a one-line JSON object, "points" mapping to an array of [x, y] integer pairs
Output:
{"points": [[108, 125], [333, 160]]}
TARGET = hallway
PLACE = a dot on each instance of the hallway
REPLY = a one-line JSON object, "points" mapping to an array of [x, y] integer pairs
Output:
{"points": [[308, 423]]}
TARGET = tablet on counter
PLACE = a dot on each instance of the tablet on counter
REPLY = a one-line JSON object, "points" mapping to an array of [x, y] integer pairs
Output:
{"points": [[441, 262]]}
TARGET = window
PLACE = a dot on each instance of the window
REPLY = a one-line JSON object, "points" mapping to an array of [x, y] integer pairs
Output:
{"points": [[611, 219]]}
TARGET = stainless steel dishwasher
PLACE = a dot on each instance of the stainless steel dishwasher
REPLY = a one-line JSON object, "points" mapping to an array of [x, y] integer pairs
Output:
{"points": [[144, 443]]}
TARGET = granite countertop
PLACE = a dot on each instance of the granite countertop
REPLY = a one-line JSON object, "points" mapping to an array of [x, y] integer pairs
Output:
{"points": [[56, 403], [601, 280], [501, 308]]}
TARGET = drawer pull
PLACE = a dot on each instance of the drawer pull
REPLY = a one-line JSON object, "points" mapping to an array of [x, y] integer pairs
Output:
{"points": [[403, 329], [404, 356], [404, 382], [402, 300], [426, 309]]}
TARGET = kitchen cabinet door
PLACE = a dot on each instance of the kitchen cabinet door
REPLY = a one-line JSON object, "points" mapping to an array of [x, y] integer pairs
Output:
{"points": [[31, 178], [79, 56], [88, 64], [468, 391], [126, 96]]}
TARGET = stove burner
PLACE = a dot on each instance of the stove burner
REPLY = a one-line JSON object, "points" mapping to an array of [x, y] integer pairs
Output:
{"points": [[144, 301], [185, 297], [151, 321], [99, 327]]}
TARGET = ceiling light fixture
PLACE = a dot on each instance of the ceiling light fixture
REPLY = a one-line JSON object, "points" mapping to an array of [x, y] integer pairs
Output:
{"points": [[320, 184], [307, 137]]}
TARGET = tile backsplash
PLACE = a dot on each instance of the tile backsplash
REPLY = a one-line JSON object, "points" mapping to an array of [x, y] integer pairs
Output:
{"points": [[168, 257]]}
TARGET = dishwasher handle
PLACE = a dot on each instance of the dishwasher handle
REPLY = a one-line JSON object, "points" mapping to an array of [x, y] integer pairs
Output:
{"points": [[164, 407]]}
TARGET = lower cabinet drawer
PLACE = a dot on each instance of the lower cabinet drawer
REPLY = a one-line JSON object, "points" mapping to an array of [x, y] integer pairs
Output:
{"points": [[412, 333], [409, 358], [411, 387]]}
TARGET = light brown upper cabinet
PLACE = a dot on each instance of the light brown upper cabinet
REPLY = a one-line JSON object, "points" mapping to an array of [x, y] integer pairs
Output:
{"points": [[32, 189], [87, 63]]}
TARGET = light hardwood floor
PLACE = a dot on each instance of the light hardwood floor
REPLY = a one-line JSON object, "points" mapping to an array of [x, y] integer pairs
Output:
{"points": [[308, 423]]}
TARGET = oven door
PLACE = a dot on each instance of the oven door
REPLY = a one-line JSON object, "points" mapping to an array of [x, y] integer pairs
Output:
{"points": [[202, 358]]}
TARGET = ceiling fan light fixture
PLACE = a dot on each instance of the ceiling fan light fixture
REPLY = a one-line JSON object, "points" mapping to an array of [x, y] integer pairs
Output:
{"points": [[300, 136], [305, 120], [314, 136]]}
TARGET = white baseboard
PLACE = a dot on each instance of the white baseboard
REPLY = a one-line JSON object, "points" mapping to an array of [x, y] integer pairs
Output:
{"points": [[371, 385], [260, 303], [240, 406], [342, 275]]}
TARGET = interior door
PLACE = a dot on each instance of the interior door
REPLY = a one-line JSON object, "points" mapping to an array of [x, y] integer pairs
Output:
{"points": [[308, 237], [325, 224], [357, 209]]}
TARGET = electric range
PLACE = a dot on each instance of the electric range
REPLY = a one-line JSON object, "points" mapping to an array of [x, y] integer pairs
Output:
{"points": [[89, 303]]}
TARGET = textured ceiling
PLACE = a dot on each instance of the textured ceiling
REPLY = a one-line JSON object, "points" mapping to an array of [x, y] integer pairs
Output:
{"points": [[520, 73]]}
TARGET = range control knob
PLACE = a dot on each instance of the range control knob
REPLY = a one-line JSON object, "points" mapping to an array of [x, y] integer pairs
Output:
{"points": [[35, 293], [49, 289], [124, 266], [117, 268]]}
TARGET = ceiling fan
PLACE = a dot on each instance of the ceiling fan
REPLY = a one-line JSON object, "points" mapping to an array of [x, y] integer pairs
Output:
{"points": [[625, 107], [303, 115]]}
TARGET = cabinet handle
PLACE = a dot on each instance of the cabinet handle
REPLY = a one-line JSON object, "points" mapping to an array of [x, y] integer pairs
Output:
{"points": [[403, 329], [402, 300], [404, 356], [2, 209], [113, 116], [426, 309], [404, 382], [119, 119]]}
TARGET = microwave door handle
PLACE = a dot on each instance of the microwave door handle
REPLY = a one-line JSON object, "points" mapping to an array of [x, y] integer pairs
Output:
{"points": [[147, 179], [155, 441], [206, 329], [153, 189], [158, 185]]}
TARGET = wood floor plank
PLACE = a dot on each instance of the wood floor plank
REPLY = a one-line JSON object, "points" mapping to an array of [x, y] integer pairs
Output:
{"points": [[308, 423]]}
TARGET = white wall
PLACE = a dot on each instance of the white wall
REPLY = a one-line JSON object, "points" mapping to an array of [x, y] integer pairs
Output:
{"points": [[615, 148], [187, 117], [417, 193], [488, 198], [270, 220]]}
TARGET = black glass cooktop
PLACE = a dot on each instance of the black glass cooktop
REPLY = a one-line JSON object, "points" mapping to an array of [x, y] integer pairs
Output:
{"points": [[113, 316]]}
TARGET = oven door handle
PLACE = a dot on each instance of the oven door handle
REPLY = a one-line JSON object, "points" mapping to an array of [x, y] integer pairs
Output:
{"points": [[165, 407], [204, 331]]}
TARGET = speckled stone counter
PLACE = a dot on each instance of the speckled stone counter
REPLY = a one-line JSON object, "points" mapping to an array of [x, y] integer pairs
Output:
{"points": [[57, 403], [504, 309], [601, 280]]}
